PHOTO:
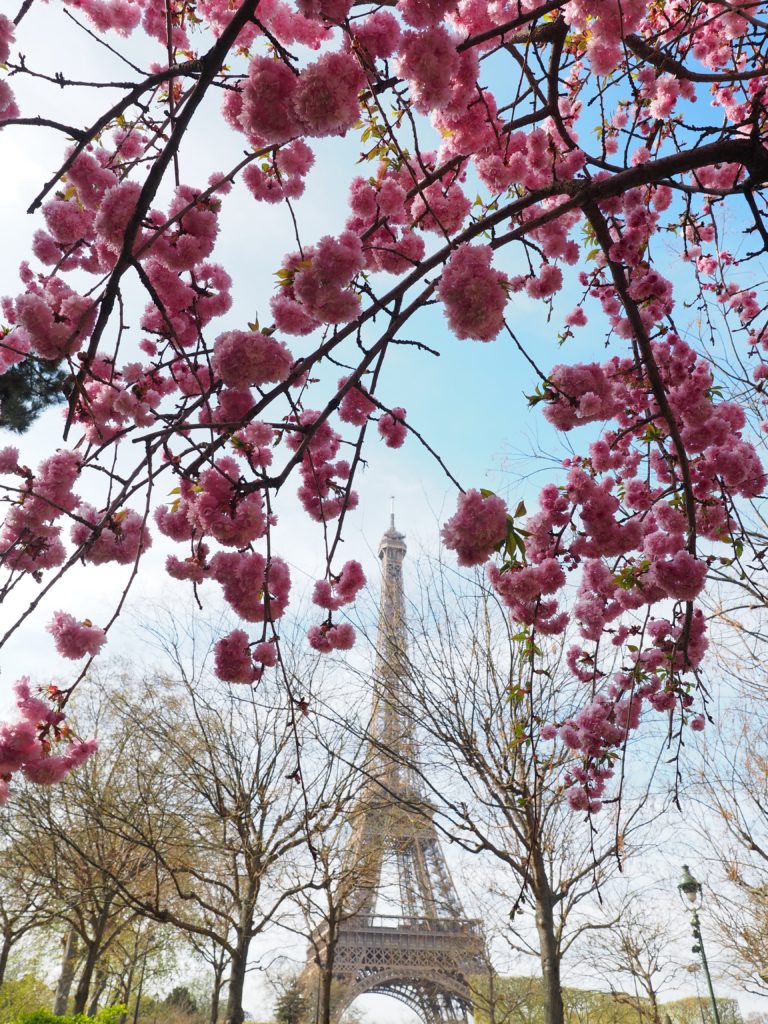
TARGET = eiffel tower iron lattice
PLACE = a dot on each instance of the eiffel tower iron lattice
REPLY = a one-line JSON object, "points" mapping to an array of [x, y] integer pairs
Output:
{"points": [[425, 954]]}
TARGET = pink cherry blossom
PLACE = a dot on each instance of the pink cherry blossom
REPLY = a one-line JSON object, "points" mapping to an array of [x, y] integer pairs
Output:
{"points": [[232, 658], [325, 100], [355, 406], [477, 527], [473, 293], [119, 537], [7, 33], [267, 110], [74, 638], [473, 187], [392, 427], [429, 61], [328, 638], [340, 590], [248, 359]]}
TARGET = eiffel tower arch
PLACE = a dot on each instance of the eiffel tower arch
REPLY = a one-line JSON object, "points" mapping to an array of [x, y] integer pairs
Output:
{"points": [[423, 950]]}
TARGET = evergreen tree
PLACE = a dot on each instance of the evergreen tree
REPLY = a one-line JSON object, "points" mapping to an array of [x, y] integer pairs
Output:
{"points": [[292, 1006], [182, 999], [27, 389]]}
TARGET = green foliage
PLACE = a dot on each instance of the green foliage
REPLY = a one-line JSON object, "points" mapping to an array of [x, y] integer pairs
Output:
{"points": [[699, 1011], [292, 1006], [22, 995], [109, 1015], [182, 999], [26, 390]]}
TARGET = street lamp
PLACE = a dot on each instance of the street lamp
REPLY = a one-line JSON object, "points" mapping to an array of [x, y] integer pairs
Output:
{"points": [[691, 895]]}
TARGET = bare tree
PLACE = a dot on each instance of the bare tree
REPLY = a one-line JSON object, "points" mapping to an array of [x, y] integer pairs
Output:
{"points": [[636, 948], [211, 952], [344, 870]]}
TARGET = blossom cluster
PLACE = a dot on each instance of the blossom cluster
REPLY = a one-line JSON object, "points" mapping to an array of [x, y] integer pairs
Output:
{"points": [[477, 528], [8, 106], [27, 745], [316, 285], [277, 104]]}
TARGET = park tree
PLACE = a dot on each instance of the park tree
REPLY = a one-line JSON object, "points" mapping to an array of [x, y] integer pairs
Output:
{"points": [[500, 999], [342, 872], [516, 156], [26, 390], [142, 956], [521, 999], [79, 875], [22, 995], [181, 998], [635, 954], [25, 905], [585, 1006], [208, 949], [292, 1005], [698, 1010]]}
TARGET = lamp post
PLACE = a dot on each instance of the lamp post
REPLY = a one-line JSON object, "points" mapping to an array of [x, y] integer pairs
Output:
{"points": [[691, 895]]}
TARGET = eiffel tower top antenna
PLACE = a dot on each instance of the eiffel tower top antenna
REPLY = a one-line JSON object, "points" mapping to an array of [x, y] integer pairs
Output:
{"points": [[392, 640], [392, 725]]}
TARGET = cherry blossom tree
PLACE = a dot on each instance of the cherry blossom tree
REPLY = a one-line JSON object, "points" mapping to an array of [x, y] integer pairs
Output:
{"points": [[512, 149]]}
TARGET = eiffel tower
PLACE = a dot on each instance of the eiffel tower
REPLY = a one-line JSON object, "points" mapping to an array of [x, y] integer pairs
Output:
{"points": [[424, 951]]}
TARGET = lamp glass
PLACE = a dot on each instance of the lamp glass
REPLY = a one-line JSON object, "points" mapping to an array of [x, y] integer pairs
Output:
{"points": [[689, 887]]}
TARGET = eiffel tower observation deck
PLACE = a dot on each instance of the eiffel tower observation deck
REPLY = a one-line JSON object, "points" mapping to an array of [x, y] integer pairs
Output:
{"points": [[405, 933]]}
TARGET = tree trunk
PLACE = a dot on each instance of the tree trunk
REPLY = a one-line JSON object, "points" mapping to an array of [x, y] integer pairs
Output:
{"points": [[218, 983], [5, 952], [91, 958], [548, 951], [491, 994], [128, 980], [238, 965], [66, 977], [100, 983], [84, 983], [137, 1007], [654, 1005], [325, 993], [326, 969]]}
